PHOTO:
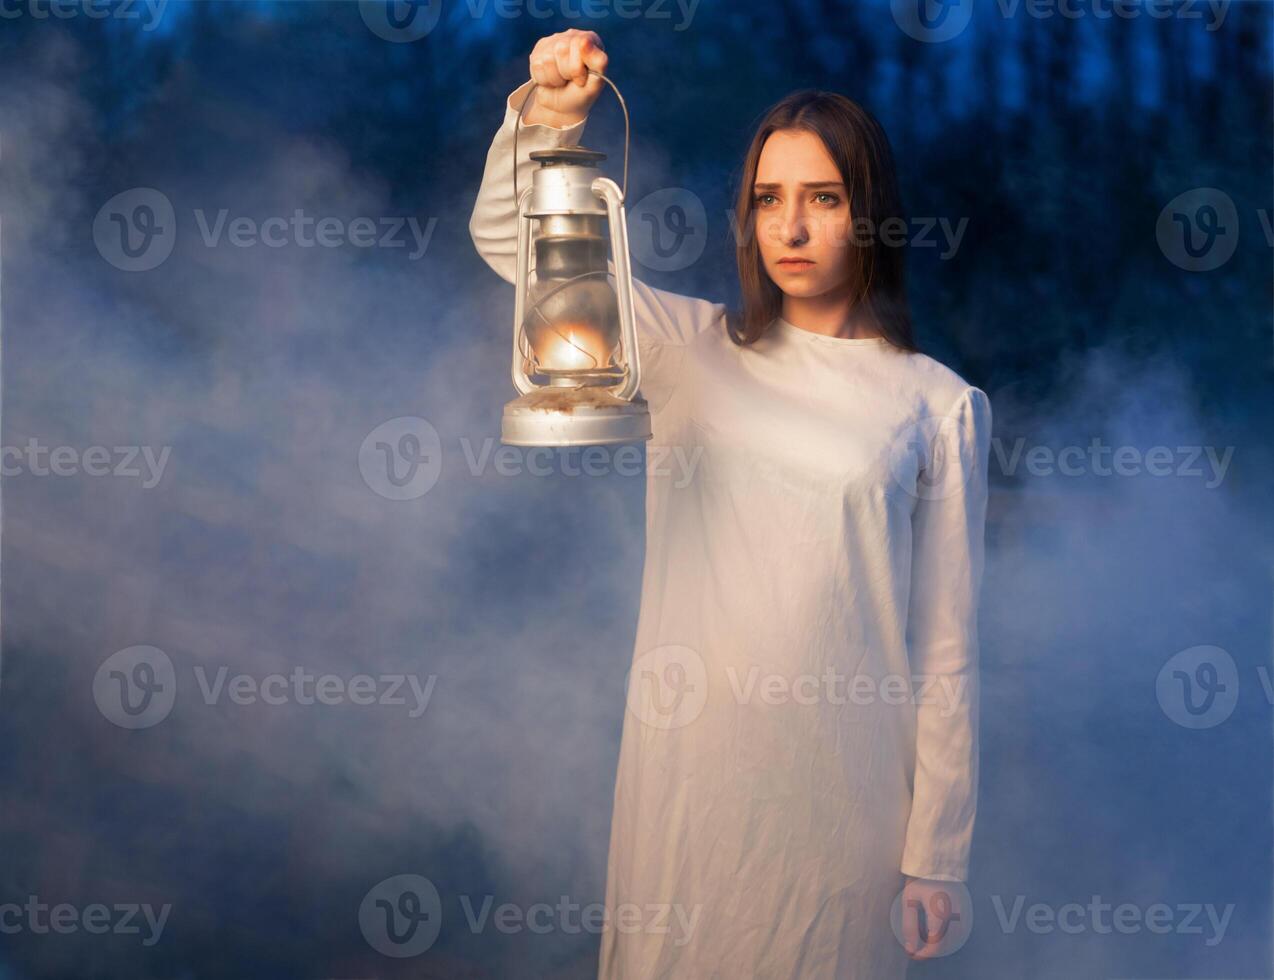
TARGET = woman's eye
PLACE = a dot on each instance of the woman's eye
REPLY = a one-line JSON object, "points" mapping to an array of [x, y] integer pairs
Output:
{"points": [[831, 199]]}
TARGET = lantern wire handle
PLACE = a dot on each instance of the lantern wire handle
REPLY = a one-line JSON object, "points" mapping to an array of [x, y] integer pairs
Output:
{"points": [[522, 108]]}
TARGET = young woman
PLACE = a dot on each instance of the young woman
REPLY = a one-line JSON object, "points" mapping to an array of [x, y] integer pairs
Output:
{"points": [[800, 755]]}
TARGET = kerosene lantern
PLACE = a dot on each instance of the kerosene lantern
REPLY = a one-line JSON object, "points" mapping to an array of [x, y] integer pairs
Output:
{"points": [[575, 359]]}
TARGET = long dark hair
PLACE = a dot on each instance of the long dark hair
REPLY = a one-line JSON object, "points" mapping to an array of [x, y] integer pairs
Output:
{"points": [[858, 145]]}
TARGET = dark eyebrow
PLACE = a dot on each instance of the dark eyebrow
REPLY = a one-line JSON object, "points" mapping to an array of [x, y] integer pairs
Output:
{"points": [[805, 183]]}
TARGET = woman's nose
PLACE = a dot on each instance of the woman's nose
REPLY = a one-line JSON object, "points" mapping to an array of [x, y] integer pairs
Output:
{"points": [[793, 229]]}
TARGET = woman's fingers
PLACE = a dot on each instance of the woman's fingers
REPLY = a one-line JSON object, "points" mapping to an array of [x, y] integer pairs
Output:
{"points": [[560, 65], [932, 946], [578, 53], [596, 59], [544, 67], [569, 62], [925, 941], [589, 49], [911, 941], [563, 58]]}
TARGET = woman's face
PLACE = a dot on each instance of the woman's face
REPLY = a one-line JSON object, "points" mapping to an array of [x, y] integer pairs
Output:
{"points": [[801, 208]]}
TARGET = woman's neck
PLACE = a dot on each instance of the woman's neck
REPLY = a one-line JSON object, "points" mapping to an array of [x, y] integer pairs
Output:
{"points": [[828, 315]]}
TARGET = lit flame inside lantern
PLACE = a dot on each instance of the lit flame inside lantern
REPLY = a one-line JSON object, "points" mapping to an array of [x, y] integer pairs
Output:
{"points": [[572, 346]]}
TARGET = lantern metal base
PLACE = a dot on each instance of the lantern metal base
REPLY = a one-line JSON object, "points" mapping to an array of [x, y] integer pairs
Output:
{"points": [[570, 416]]}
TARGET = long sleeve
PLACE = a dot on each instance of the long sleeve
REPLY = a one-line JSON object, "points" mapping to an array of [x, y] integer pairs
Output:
{"points": [[948, 526], [663, 319]]}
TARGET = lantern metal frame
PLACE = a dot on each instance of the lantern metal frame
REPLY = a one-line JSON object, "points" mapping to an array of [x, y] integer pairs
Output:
{"points": [[580, 410]]}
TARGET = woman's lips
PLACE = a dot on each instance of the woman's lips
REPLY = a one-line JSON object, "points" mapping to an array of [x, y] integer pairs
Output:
{"points": [[796, 265]]}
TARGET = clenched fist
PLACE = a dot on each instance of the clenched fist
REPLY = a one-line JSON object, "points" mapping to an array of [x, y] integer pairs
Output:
{"points": [[565, 91]]}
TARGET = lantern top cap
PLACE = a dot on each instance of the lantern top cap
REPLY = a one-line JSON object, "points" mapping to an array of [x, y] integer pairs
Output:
{"points": [[576, 155]]}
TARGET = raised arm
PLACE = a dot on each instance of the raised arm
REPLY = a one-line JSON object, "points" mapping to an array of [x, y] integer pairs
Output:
{"points": [[663, 319]]}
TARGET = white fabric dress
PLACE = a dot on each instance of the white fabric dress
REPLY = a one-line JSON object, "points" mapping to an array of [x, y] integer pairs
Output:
{"points": [[801, 727]]}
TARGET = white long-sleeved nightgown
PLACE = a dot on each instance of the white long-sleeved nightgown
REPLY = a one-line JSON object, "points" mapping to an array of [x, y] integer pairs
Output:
{"points": [[802, 723]]}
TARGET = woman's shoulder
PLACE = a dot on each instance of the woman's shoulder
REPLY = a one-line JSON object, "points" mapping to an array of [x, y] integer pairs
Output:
{"points": [[937, 386]]}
